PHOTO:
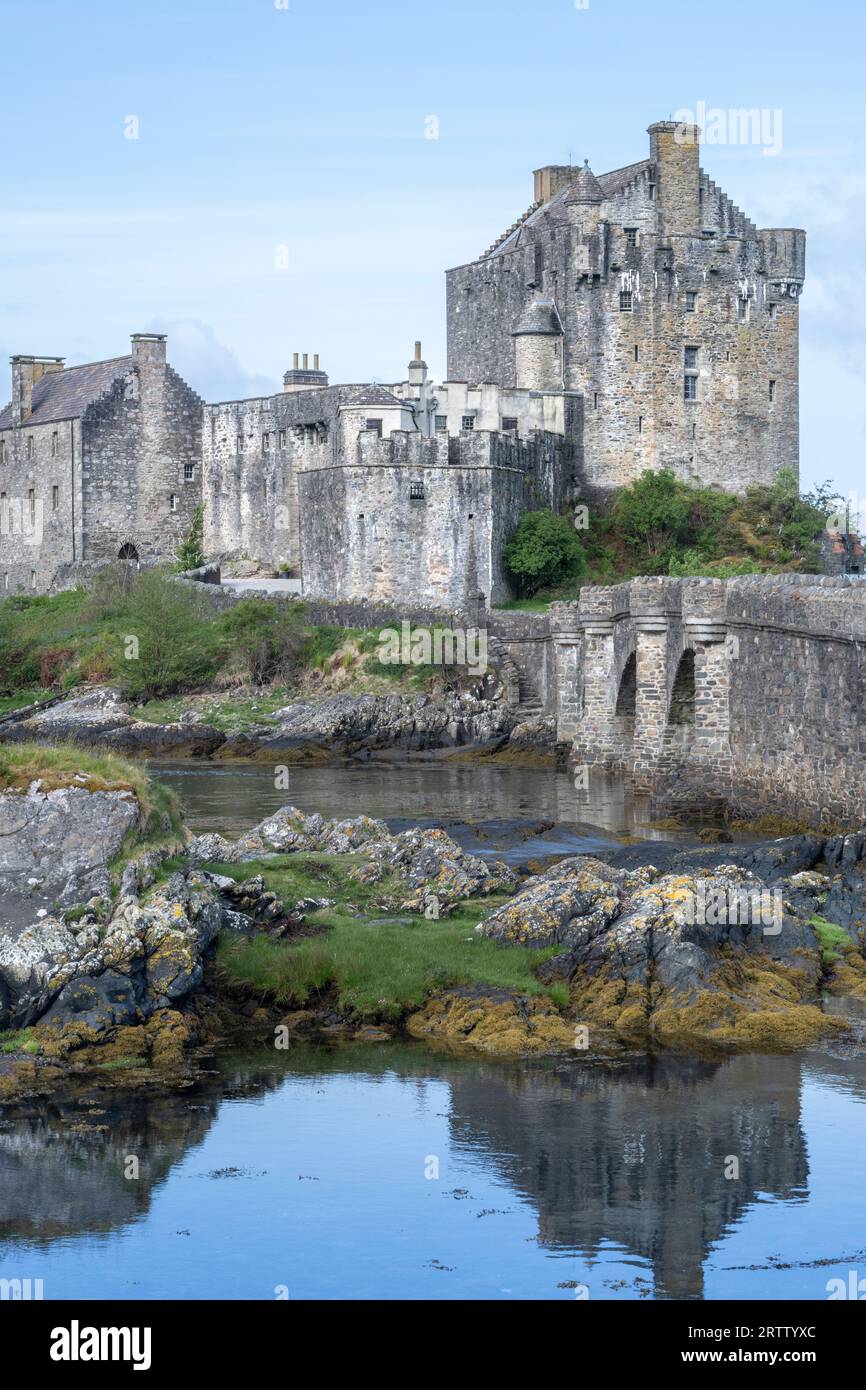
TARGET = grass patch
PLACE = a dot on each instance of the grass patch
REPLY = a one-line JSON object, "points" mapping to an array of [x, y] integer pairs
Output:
{"points": [[23, 1041], [378, 971], [834, 940], [60, 765], [121, 1064]]}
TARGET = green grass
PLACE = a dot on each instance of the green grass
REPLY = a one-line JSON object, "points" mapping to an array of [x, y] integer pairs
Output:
{"points": [[378, 971], [23, 1041], [834, 940], [228, 715]]}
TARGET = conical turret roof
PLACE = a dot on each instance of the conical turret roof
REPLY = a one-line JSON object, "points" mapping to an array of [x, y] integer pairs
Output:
{"points": [[586, 187], [541, 316]]}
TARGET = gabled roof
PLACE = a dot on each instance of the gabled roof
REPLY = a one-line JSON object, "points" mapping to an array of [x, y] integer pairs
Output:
{"points": [[585, 187], [65, 395]]}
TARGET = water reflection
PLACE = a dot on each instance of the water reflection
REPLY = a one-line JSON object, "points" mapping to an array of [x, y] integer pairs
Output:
{"points": [[583, 1170]]}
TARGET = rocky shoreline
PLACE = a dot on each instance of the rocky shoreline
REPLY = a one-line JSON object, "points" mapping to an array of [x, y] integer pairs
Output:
{"points": [[724, 946], [305, 731]]}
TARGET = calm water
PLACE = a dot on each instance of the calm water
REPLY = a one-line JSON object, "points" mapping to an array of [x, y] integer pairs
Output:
{"points": [[393, 1171], [396, 1172]]}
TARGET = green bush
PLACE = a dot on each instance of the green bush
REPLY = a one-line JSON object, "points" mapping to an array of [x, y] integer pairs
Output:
{"points": [[544, 550], [265, 638], [168, 640], [653, 513], [190, 554]]}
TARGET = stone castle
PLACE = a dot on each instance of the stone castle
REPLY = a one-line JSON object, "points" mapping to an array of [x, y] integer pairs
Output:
{"points": [[631, 320]]}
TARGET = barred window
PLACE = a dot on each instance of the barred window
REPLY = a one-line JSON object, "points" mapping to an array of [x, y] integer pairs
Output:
{"points": [[189, 472], [690, 388], [468, 422], [416, 490], [631, 236], [625, 301], [282, 439]]}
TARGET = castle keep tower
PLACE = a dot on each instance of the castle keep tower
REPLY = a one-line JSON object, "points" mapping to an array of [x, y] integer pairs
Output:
{"points": [[678, 318]]}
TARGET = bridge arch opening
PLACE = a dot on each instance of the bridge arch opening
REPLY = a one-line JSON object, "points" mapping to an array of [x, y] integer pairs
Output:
{"points": [[626, 699], [682, 706]]}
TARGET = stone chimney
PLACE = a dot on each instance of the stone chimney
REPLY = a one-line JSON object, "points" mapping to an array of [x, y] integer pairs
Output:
{"points": [[305, 377], [675, 149], [148, 349], [417, 367], [550, 179], [26, 371]]}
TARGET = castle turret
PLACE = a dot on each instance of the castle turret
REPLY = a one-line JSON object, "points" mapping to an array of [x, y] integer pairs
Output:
{"points": [[305, 377], [538, 347]]}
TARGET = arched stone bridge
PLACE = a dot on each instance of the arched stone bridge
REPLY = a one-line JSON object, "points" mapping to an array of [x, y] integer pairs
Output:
{"points": [[750, 690]]}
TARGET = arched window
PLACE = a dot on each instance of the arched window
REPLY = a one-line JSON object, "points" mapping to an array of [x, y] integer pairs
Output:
{"points": [[128, 552]]}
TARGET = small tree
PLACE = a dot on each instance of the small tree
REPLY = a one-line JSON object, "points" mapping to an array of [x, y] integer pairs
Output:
{"points": [[190, 552], [263, 637], [544, 550], [653, 512], [168, 638]]}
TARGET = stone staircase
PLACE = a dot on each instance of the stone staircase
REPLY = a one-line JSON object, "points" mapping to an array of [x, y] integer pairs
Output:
{"points": [[521, 690]]}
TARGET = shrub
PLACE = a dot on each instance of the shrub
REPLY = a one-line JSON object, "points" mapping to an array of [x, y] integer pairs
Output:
{"points": [[653, 513], [544, 550], [174, 639], [267, 639], [190, 554]]}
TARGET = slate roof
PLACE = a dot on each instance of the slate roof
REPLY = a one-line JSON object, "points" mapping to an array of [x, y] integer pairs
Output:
{"points": [[542, 317], [585, 188], [65, 395]]}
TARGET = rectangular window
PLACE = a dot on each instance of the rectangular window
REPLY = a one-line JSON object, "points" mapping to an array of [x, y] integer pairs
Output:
{"points": [[172, 502], [690, 355], [30, 447], [189, 472], [31, 503], [509, 424], [691, 301], [743, 310], [772, 391], [468, 422], [282, 439], [266, 443], [690, 388], [625, 301], [55, 498], [640, 424], [441, 422], [375, 426], [240, 443], [636, 353], [54, 444], [652, 191], [2, 450], [771, 310], [416, 491], [631, 236]]}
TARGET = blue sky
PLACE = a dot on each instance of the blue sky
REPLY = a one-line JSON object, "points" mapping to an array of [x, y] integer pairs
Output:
{"points": [[281, 195]]}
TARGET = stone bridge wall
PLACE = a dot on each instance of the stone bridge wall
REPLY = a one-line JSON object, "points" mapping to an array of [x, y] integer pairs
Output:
{"points": [[749, 691]]}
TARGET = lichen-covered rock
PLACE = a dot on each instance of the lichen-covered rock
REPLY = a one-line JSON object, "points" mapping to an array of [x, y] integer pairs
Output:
{"points": [[148, 956], [63, 838]]}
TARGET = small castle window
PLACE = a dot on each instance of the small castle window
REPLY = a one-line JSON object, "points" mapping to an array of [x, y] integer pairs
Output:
{"points": [[266, 443], [2, 450], [55, 497], [30, 447], [631, 236], [691, 301], [771, 310], [652, 191], [189, 472], [441, 422], [240, 443], [636, 353], [172, 502], [375, 426], [509, 424], [468, 422], [31, 503], [33, 579], [416, 491], [595, 401], [743, 311], [690, 388], [54, 444], [772, 391], [690, 355], [282, 439], [625, 301], [640, 424]]}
